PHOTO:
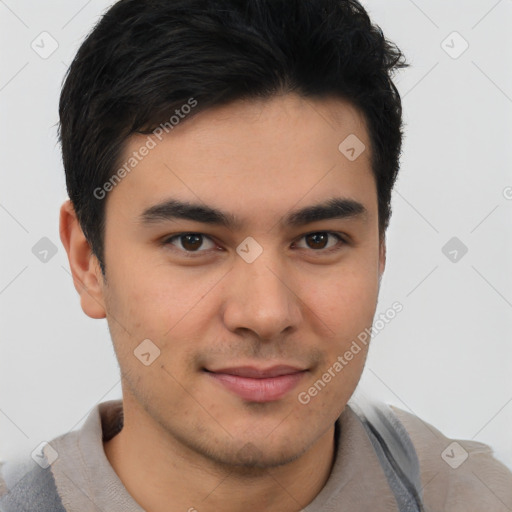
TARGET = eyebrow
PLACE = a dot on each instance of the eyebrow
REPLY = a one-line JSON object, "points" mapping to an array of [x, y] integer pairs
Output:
{"points": [[171, 209]]}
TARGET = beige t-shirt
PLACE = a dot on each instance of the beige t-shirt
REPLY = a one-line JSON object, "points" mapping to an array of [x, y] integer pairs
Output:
{"points": [[81, 477]]}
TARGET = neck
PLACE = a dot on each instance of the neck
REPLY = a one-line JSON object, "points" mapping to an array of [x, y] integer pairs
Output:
{"points": [[163, 475]]}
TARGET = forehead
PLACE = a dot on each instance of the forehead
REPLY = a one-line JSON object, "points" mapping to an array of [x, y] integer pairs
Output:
{"points": [[261, 157]]}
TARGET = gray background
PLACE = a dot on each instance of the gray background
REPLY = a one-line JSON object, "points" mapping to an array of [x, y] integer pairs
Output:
{"points": [[447, 357]]}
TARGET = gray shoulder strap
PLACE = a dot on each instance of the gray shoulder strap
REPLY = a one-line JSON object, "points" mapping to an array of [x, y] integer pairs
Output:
{"points": [[395, 451]]}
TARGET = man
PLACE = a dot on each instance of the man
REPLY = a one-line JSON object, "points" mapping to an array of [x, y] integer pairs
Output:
{"points": [[230, 167]]}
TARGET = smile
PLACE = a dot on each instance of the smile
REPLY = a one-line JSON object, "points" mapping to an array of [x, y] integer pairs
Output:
{"points": [[258, 385]]}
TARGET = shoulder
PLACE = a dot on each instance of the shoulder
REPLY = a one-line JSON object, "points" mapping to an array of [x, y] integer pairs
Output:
{"points": [[28, 481], [457, 475], [26, 486], [65, 472]]}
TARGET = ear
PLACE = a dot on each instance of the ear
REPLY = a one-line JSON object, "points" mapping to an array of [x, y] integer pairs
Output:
{"points": [[85, 267], [382, 256]]}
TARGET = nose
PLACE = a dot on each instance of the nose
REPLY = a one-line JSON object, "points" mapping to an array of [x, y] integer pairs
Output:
{"points": [[260, 298]]}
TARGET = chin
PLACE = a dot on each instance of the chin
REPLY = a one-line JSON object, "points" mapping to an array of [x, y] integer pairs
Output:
{"points": [[250, 454], [253, 457]]}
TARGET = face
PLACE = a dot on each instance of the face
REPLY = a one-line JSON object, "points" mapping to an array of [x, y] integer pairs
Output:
{"points": [[248, 302]]}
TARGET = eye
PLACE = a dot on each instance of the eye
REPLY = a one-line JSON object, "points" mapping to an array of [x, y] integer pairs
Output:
{"points": [[189, 242], [318, 241]]}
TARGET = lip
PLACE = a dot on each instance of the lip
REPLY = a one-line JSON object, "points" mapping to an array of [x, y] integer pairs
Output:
{"points": [[258, 384]]}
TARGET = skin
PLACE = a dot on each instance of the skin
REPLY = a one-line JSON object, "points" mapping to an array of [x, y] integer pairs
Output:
{"points": [[188, 442]]}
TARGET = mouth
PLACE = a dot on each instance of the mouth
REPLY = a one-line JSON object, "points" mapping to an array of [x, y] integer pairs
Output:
{"points": [[258, 384]]}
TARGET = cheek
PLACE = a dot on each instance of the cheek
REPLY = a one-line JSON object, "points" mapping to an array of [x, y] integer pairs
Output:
{"points": [[345, 300], [155, 296], [171, 307]]}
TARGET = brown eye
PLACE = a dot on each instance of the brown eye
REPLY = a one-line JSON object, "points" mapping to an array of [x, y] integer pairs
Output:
{"points": [[319, 240], [190, 242]]}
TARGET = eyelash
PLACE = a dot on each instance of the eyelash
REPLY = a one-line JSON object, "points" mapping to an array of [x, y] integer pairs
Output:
{"points": [[193, 254]]}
